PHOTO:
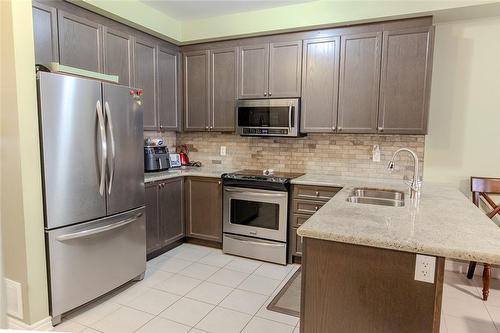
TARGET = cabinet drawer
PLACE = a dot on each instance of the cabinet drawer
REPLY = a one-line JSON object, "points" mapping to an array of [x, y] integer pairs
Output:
{"points": [[306, 206], [298, 220], [320, 193], [296, 243]]}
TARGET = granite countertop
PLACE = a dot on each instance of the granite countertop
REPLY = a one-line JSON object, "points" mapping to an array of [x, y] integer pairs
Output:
{"points": [[184, 171], [443, 222]]}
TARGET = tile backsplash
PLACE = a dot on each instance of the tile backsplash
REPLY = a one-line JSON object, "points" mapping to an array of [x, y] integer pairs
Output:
{"points": [[335, 154]]}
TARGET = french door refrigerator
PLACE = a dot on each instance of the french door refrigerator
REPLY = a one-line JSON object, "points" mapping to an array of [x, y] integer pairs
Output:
{"points": [[93, 183]]}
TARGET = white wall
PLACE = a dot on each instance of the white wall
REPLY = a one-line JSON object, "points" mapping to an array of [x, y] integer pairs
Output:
{"points": [[464, 124]]}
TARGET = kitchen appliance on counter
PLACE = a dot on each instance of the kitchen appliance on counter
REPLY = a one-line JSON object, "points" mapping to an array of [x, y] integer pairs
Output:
{"points": [[91, 135], [156, 158], [255, 215], [183, 151], [268, 117]]}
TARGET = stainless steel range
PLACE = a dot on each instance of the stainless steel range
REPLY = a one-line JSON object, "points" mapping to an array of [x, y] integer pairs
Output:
{"points": [[255, 215]]}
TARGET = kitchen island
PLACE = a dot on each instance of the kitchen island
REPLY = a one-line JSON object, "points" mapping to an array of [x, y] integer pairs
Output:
{"points": [[359, 259]]}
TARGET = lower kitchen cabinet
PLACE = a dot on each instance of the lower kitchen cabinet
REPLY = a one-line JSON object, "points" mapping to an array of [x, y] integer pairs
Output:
{"points": [[164, 213], [204, 208]]}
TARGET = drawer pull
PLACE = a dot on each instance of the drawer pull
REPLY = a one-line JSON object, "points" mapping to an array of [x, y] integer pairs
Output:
{"points": [[316, 208], [317, 193]]}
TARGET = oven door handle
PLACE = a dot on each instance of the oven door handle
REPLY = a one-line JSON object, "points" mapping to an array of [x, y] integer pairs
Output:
{"points": [[243, 240], [254, 194]]}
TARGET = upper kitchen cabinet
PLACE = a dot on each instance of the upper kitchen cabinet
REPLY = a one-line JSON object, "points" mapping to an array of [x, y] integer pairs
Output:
{"points": [[118, 50], [145, 79], [405, 80], [223, 92], [196, 90], [168, 89], [270, 70], [285, 61], [45, 33], [254, 71], [80, 42], [359, 82], [320, 77]]}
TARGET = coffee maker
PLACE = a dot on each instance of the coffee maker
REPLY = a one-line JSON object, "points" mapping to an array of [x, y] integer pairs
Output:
{"points": [[156, 158]]}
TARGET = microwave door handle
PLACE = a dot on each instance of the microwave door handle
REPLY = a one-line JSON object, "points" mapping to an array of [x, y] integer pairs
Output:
{"points": [[290, 125]]}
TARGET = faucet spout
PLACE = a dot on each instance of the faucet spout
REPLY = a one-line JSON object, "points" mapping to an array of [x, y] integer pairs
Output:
{"points": [[415, 183]]}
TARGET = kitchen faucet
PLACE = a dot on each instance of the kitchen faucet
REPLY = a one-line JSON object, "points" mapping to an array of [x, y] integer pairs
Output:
{"points": [[415, 183]]}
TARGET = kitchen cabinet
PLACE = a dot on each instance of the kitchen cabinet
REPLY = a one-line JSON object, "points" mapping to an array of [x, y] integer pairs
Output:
{"points": [[168, 89], [359, 82], [204, 208], [145, 75], [45, 33], [270, 70], [405, 80], [320, 77], [196, 90], [118, 50], [80, 42], [223, 88], [164, 213]]}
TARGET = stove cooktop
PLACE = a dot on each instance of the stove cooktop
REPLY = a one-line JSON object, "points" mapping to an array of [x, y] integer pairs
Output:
{"points": [[258, 176]]}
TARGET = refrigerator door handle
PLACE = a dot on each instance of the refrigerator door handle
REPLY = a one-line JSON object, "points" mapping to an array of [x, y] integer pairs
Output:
{"points": [[112, 138], [104, 147], [98, 230]]}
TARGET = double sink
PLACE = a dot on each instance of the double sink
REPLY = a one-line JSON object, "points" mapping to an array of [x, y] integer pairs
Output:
{"points": [[374, 196]]}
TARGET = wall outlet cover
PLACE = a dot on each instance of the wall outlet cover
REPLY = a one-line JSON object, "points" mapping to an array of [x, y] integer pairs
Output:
{"points": [[223, 151], [425, 268]]}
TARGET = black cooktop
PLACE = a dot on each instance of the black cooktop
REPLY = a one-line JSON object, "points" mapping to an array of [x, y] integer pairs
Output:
{"points": [[256, 179]]}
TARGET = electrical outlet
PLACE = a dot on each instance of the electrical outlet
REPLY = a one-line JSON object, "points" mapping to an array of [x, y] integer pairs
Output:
{"points": [[223, 151], [376, 153], [425, 267]]}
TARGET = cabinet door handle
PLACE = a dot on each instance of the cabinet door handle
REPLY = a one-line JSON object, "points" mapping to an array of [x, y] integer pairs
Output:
{"points": [[316, 208], [219, 182], [270, 93], [339, 129], [265, 94], [317, 193], [333, 128], [380, 129]]}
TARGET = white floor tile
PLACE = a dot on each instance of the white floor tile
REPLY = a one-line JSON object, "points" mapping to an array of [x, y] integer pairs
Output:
{"points": [[243, 265], [468, 325], [187, 311], [193, 254], [228, 277], [69, 326], [90, 330], [199, 271], [124, 320], [93, 312], [153, 277], [217, 259], [273, 271], [221, 320], [195, 330], [243, 301], [259, 284], [178, 284], [173, 265], [153, 301], [159, 325], [259, 325], [276, 316], [472, 308], [125, 296], [494, 312], [209, 292]]}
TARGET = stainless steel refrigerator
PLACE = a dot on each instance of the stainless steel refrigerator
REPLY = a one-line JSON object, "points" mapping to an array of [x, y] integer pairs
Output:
{"points": [[93, 181]]}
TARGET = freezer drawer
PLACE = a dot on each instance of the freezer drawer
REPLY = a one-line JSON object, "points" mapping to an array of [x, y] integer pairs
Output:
{"points": [[92, 258]]}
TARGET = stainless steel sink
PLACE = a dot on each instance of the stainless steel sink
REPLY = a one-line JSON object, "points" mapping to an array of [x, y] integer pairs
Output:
{"points": [[375, 196]]}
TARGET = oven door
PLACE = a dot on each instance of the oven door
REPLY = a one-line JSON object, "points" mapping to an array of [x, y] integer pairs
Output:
{"points": [[255, 213]]}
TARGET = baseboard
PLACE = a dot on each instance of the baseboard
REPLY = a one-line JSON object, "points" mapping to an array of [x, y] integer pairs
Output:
{"points": [[462, 267], [42, 325]]}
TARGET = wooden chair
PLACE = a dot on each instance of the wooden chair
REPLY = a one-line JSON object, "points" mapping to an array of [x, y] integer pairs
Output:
{"points": [[482, 187]]}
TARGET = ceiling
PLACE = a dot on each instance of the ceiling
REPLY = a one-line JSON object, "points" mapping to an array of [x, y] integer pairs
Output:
{"points": [[185, 10]]}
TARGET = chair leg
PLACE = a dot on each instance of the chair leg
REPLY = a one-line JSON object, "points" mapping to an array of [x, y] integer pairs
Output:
{"points": [[472, 268], [486, 281]]}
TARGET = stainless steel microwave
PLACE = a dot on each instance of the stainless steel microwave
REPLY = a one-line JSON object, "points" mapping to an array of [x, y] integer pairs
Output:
{"points": [[268, 117]]}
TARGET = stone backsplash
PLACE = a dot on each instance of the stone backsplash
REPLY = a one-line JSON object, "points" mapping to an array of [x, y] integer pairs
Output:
{"points": [[335, 154]]}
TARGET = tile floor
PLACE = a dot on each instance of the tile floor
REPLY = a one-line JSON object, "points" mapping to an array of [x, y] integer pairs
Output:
{"points": [[199, 289]]}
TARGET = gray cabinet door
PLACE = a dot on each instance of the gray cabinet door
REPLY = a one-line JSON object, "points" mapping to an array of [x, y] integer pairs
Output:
{"points": [[145, 79], [118, 48], [196, 90], [253, 71], [223, 94], [168, 89], [79, 42], [285, 62], [405, 80], [45, 33], [171, 211], [152, 217], [320, 77], [359, 82]]}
